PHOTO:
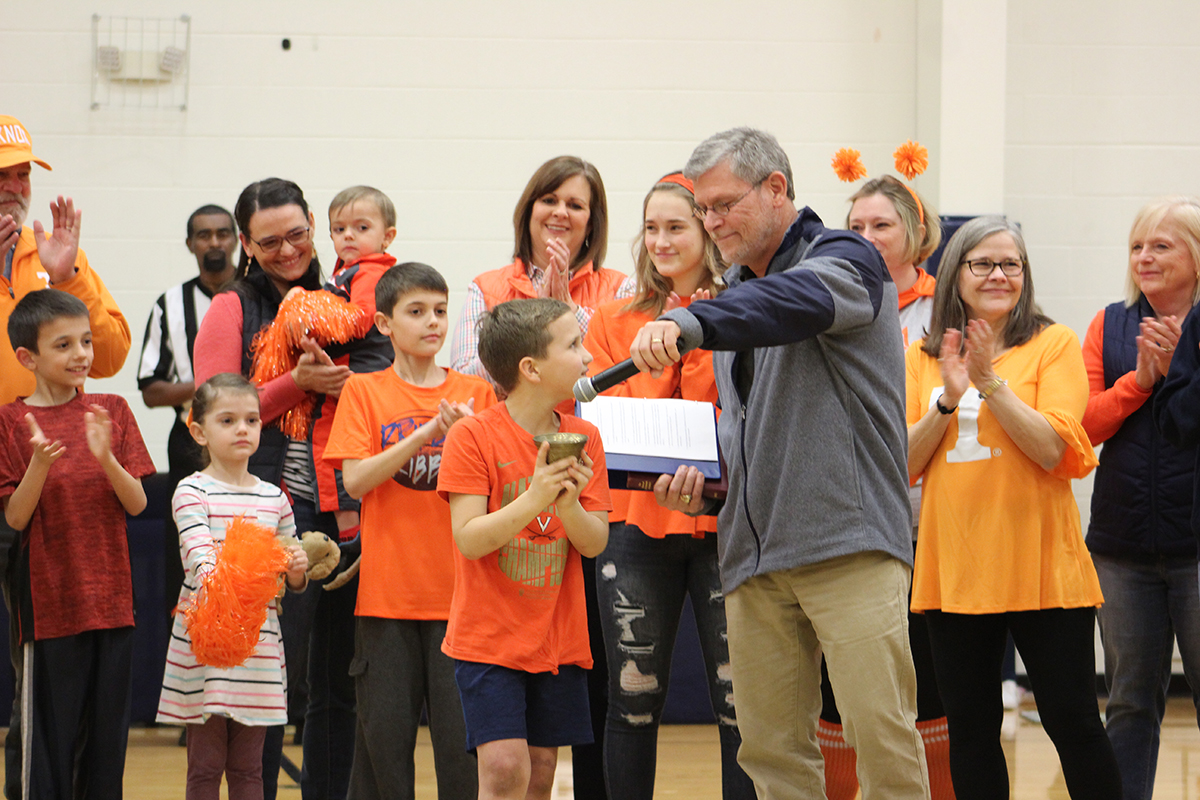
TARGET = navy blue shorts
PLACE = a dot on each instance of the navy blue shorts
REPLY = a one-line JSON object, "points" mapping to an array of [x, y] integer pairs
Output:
{"points": [[544, 709]]}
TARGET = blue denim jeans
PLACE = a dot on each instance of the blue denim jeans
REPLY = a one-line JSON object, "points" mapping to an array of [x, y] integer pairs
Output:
{"points": [[1147, 607], [641, 583]]}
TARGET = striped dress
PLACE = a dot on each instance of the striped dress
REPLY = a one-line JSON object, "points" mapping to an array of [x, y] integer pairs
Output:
{"points": [[255, 692]]}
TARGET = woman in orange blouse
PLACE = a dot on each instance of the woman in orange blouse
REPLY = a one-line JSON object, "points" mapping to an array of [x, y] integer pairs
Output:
{"points": [[996, 393], [656, 557]]}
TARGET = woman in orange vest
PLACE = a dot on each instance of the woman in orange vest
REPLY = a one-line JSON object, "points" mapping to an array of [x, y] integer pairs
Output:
{"points": [[561, 230]]}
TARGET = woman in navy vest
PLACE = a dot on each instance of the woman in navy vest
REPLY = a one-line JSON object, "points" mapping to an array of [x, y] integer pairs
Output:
{"points": [[1140, 534], [276, 232]]}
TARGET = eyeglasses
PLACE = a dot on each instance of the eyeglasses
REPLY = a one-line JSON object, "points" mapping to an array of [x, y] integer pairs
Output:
{"points": [[983, 267], [271, 244], [723, 209]]}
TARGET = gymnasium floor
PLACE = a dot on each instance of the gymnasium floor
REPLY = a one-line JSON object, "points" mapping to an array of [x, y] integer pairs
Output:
{"points": [[689, 762]]}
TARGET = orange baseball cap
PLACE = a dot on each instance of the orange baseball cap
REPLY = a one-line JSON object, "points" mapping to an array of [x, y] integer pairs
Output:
{"points": [[15, 145]]}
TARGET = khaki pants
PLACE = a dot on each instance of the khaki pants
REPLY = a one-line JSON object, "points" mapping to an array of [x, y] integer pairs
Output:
{"points": [[854, 609]]}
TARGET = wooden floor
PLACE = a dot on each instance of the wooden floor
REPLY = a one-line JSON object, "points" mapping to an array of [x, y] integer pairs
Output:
{"points": [[689, 762]]}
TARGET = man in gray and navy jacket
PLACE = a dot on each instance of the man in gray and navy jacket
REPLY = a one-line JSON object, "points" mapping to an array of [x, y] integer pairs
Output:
{"points": [[815, 535]]}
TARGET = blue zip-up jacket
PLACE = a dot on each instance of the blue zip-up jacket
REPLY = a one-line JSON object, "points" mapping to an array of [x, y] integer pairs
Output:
{"points": [[1142, 498], [810, 372], [1177, 402]]}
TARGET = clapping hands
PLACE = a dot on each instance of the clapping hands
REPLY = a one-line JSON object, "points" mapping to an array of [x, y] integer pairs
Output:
{"points": [[57, 252], [45, 451], [1156, 343], [558, 273], [448, 414], [675, 301]]}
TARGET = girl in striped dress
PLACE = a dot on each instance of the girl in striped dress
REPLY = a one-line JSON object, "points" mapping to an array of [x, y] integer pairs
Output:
{"points": [[226, 711]]}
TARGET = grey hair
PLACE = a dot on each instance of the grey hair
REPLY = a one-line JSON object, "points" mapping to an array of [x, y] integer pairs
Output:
{"points": [[1025, 321], [752, 155]]}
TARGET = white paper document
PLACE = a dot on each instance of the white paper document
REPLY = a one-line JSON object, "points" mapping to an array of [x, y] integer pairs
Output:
{"points": [[666, 428]]}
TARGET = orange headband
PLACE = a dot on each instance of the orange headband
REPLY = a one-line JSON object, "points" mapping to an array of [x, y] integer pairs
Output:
{"points": [[917, 200], [677, 178], [911, 160]]}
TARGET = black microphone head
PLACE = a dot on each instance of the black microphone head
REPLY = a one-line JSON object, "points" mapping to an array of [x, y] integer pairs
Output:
{"points": [[584, 391]]}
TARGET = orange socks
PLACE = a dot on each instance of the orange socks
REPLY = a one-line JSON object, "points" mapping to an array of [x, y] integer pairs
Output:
{"points": [[841, 783], [936, 737]]}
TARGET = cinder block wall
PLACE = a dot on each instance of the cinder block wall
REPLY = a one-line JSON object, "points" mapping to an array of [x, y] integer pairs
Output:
{"points": [[450, 107]]}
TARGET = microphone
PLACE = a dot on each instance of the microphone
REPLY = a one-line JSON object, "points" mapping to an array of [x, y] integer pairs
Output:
{"points": [[587, 389]]}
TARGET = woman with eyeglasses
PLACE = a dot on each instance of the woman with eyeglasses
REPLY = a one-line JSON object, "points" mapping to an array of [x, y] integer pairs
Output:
{"points": [[1140, 533], [906, 230], [996, 394], [277, 255]]}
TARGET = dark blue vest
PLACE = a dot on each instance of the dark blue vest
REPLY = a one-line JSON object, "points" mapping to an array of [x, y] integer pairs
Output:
{"points": [[1142, 498], [260, 302]]}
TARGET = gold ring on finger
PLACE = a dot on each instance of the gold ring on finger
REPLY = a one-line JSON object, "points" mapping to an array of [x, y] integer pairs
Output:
{"points": [[686, 498]]}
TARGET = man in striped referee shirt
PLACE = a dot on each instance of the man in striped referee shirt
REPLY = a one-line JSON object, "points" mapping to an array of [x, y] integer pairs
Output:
{"points": [[165, 370]]}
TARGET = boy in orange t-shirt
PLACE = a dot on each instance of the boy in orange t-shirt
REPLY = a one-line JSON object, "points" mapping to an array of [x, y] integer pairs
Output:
{"points": [[387, 439], [518, 622]]}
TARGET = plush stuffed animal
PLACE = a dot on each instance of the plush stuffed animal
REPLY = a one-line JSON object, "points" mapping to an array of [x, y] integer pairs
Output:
{"points": [[343, 577], [323, 554]]}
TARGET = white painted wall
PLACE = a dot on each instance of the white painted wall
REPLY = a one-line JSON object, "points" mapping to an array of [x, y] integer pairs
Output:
{"points": [[1103, 115], [449, 107], [971, 142]]}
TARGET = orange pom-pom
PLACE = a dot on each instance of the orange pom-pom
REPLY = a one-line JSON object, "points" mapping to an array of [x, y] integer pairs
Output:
{"points": [[321, 316], [911, 159], [227, 612], [848, 166]]}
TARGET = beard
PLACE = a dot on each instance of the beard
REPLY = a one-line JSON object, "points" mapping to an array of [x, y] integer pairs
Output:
{"points": [[749, 247], [214, 261], [16, 205]]}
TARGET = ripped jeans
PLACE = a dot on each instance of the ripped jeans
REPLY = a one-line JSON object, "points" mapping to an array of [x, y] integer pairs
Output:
{"points": [[641, 583]]}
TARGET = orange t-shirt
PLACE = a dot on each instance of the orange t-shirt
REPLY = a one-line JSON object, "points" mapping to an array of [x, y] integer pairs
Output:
{"points": [[407, 567], [609, 335], [522, 606], [998, 532]]}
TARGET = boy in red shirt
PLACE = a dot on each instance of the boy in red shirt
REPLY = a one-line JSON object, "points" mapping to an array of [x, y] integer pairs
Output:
{"points": [[387, 440], [71, 466], [518, 622]]}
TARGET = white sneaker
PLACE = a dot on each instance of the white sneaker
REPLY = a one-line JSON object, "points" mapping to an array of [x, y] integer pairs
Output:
{"points": [[1010, 692]]}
